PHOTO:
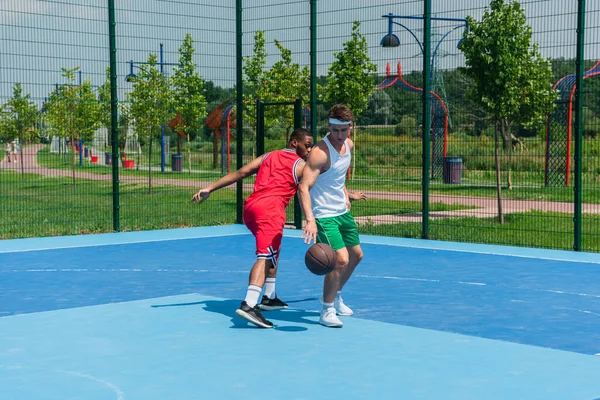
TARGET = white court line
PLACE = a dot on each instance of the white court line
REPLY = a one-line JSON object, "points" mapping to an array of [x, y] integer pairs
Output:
{"points": [[491, 253], [120, 243], [120, 394], [473, 248], [400, 278]]}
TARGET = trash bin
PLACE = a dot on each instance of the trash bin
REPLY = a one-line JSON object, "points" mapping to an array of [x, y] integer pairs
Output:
{"points": [[452, 170], [176, 162], [107, 158]]}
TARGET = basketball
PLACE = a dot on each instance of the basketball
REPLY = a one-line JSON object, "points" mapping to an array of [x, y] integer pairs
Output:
{"points": [[320, 259]]}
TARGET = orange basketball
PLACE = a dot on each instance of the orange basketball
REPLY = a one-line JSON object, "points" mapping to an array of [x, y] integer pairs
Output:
{"points": [[320, 259]]}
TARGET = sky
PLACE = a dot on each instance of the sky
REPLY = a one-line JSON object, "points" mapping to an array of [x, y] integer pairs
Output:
{"points": [[39, 37]]}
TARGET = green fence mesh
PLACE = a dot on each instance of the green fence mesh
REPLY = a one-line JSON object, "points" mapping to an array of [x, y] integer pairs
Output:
{"points": [[177, 123]]}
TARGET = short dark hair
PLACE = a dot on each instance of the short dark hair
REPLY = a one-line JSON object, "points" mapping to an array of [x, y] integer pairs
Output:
{"points": [[341, 112], [299, 134]]}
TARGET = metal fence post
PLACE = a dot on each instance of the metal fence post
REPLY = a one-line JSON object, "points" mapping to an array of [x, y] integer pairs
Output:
{"points": [[426, 118], [297, 124], [579, 123], [114, 114]]}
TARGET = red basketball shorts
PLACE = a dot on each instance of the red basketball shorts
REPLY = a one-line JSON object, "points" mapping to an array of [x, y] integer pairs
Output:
{"points": [[266, 224]]}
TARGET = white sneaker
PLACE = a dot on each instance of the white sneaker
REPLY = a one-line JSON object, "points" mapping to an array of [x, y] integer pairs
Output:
{"points": [[340, 307], [329, 319]]}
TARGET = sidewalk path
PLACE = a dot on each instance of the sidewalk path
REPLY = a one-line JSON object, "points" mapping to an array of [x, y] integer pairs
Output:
{"points": [[486, 207]]}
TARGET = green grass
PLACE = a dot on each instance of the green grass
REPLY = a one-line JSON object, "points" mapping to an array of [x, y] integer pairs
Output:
{"points": [[49, 206], [63, 162], [532, 229]]}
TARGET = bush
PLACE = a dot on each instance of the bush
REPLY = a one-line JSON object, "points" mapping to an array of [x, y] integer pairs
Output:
{"points": [[406, 126]]}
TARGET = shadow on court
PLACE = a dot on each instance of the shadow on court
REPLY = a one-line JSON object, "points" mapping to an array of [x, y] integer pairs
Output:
{"points": [[228, 307]]}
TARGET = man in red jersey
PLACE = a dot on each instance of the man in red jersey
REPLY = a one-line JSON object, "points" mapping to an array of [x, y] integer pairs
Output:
{"points": [[278, 175]]}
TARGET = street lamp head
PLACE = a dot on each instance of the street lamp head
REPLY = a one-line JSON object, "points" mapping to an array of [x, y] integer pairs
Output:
{"points": [[131, 77], [390, 40]]}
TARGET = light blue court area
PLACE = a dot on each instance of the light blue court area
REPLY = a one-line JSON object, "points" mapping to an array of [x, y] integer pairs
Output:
{"points": [[151, 315]]}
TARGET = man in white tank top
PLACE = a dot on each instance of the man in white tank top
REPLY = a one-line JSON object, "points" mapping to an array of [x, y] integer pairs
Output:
{"points": [[326, 206]]}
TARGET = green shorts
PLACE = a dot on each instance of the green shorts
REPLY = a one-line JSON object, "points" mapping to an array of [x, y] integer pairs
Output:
{"points": [[338, 232]]}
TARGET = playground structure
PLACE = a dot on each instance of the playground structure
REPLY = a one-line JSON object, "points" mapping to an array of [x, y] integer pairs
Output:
{"points": [[559, 128], [439, 119], [220, 121]]}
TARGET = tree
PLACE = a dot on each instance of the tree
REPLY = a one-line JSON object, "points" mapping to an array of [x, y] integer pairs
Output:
{"points": [[350, 76], [104, 100], [18, 118], [254, 77], [188, 101], [512, 82], [149, 106], [73, 112], [286, 81]]}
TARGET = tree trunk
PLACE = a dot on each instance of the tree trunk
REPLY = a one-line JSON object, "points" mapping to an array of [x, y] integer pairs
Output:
{"points": [[21, 156], [139, 153], [150, 165], [72, 147], [215, 151], [498, 180], [189, 151]]}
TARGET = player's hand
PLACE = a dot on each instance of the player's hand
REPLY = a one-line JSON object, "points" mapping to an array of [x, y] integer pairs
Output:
{"points": [[202, 195], [357, 196], [310, 232]]}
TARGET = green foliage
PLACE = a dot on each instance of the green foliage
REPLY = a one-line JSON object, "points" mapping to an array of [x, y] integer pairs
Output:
{"points": [[73, 111], [149, 105], [104, 99], [188, 90], [149, 100], [18, 115], [350, 76], [407, 126], [254, 77], [511, 80], [188, 100], [286, 81]]}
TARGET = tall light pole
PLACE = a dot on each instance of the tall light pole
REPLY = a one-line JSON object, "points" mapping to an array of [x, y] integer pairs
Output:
{"points": [[131, 77], [391, 40]]}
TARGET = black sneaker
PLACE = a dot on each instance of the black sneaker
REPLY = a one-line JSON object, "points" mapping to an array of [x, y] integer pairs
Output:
{"points": [[268, 304], [253, 315]]}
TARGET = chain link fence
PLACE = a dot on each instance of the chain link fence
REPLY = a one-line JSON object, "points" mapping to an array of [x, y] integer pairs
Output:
{"points": [[73, 165]]}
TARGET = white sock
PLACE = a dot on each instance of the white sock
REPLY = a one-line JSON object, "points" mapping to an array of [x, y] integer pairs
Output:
{"points": [[270, 288], [327, 305], [252, 295]]}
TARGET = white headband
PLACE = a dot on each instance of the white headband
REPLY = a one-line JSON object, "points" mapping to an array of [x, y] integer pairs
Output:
{"points": [[334, 121]]}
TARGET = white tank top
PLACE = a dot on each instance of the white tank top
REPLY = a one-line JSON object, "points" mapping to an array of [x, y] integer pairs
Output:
{"points": [[327, 194]]}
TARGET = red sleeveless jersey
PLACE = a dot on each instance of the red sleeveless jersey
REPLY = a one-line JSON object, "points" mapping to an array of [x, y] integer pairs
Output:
{"points": [[276, 180]]}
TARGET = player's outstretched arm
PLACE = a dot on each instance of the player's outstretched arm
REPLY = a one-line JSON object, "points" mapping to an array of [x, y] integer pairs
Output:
{"points": [[229, 179]]}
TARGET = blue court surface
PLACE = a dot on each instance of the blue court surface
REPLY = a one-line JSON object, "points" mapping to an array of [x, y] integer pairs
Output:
{"points": [[151, 315]]}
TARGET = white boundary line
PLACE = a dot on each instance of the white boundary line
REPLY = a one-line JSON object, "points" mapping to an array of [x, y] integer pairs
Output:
{"points": [[124, 238], [474, 248]]}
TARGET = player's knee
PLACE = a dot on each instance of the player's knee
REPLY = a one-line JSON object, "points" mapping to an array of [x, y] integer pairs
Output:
{"points": [[359, 255], [342, 262]]}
